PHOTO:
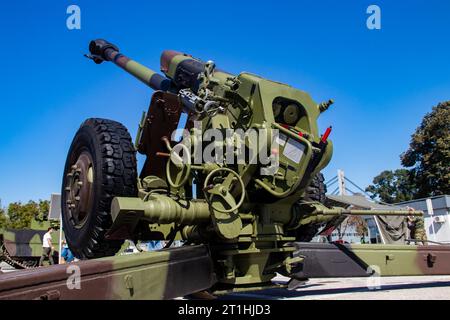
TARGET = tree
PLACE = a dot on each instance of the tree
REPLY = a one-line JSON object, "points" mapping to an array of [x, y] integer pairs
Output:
{"points": [[44, 209], [3, 219], [428, 155], [428, 158], [392, 186], [20, 215], [357, 222]]}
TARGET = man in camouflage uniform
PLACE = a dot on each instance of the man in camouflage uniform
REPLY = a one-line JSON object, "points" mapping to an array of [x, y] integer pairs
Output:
{"points": [[417, 229]]}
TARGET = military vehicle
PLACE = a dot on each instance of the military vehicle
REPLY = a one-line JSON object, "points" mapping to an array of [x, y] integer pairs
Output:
{"points": [[248, 219], [22, 248], [244, 209]]}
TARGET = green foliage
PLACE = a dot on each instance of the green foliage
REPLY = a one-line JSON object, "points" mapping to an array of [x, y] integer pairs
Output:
{"points": [[44, 209], [428, 158], [3, 219], [392, 186], [428, 155], [20, 215]]}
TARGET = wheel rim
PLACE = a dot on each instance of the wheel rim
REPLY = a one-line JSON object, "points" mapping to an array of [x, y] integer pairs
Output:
{"points": [[79, 189]]}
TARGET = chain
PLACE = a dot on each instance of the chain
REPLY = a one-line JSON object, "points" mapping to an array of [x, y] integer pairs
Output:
{"points": [[5, 256]]}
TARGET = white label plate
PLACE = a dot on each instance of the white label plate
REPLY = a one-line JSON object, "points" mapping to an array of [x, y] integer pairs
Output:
{"points": [[294, 150]]}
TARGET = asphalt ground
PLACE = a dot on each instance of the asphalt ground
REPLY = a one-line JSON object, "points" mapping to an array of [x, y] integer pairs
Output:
{"points": [[384, 288], [4, 267]]}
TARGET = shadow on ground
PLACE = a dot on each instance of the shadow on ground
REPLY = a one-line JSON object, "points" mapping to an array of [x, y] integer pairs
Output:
{"points": [[316, 290]]}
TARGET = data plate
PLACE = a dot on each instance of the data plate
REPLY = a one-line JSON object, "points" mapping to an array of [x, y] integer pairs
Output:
{"points": [[294, 150]]}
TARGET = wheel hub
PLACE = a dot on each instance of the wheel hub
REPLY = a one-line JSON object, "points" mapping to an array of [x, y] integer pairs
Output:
{"points": [[79, 189]]}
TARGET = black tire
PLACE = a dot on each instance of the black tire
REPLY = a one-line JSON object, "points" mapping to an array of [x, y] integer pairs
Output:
{"points": [[316, 191], [105, 147]]}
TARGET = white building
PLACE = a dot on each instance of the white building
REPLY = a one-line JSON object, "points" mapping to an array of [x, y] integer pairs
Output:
{"points": [[436, 216]]}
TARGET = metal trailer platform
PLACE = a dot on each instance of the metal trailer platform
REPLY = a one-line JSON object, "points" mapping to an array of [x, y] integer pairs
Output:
{"points": [[162, 274], [171, 273]]}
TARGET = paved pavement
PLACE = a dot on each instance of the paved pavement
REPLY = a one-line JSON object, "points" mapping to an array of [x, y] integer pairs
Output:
{"points": [[4, 267], [389, 288]]}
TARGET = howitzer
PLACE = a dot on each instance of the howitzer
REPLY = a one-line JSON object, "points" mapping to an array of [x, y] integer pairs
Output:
{"points": [[244, 180]]}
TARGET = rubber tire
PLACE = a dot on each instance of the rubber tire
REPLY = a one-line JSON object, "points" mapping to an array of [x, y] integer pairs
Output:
{"points": [[115, 174], [316, 191]]}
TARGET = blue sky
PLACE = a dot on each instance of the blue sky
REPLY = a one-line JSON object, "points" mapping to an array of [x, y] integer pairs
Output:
{"points": [[382, 81]]}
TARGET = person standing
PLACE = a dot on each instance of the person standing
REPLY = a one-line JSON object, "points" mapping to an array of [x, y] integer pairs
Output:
{"points": [[47, 247], [420, 233], [417, 229], [66, 254]]}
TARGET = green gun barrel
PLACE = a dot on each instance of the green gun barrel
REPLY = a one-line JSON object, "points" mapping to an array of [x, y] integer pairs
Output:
{"points": [[101, 50], [184, 70]]}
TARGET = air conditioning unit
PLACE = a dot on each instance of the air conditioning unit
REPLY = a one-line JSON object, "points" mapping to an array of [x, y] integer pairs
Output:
{"points": [[439, 219]]}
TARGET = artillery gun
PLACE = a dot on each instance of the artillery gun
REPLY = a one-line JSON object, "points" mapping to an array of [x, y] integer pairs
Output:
{"points": [[213, 187], [22, 248]]}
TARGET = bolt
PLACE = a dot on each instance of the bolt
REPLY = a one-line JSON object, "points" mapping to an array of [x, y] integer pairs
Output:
{"points": [[223, 191], [77, 198], [80, 183]]}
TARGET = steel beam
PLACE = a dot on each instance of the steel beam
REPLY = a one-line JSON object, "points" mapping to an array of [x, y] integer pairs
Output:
{"points": [[360, 260], [162, 274]]}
